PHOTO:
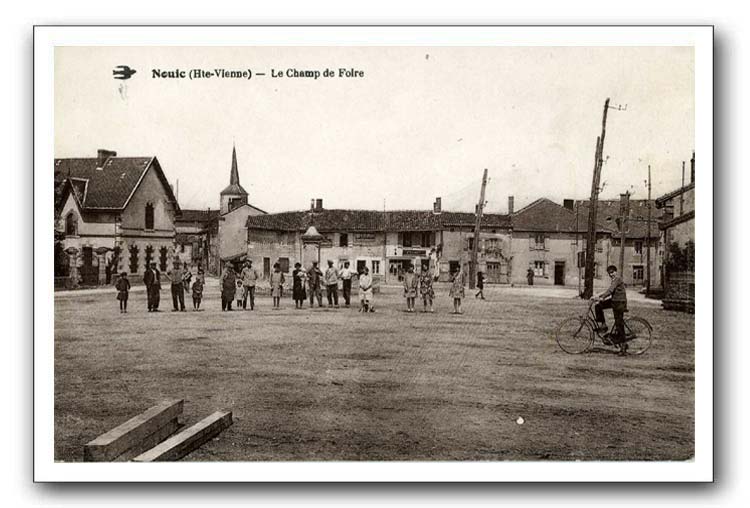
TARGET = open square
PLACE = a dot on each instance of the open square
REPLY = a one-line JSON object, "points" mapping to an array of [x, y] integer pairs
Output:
{"points": [[335, 384]]}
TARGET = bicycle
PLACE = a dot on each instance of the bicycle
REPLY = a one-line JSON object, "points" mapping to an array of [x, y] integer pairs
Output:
{"points": [[575, 335]]}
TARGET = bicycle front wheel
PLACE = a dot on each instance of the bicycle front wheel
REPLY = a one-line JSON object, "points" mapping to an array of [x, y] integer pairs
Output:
{"points": [[637, 335], [574, 336]]}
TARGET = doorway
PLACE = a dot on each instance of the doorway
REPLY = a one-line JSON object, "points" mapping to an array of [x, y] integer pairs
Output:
{"points": [[266, 267], [559, 273], [89, 268]]}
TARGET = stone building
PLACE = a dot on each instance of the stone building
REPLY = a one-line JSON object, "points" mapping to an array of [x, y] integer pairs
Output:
{"points": [[234, 210], [196, 238], [677, 227], [112, 214], [637, 241], [386, 242]]}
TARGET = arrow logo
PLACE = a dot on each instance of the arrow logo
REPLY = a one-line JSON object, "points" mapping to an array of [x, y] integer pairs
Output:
{"points": [[123, 72]]}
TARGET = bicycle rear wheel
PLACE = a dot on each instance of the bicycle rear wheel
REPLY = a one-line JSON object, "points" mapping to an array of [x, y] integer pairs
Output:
{"points": [[638, 335], [574, 336]]}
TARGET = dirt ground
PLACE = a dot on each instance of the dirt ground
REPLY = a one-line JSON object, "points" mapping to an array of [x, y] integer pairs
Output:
{"points": [[325, 384]]}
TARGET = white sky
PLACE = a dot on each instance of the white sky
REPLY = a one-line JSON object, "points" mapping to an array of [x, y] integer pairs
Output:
{"points": [[423, 122]]}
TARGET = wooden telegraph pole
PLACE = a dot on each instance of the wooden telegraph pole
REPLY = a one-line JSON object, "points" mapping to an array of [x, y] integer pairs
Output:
{"points": [[588, 287], [624, 213], [477, 226], [648, 237]]}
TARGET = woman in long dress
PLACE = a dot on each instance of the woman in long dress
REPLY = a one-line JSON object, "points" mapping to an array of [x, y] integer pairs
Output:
{"points": [[410, 288], [457, 289], [299, 294]]}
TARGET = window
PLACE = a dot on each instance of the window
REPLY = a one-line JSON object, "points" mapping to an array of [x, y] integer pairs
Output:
{"points": [[284, 265], [581, 259], [470, 243], [149, 216], [361, 263], [343, 240], [637, 273], [71, 224], [163, 259], [407, 240], [453, 266], [182, 247], [375, 266], [537, 241], [428, 239], [149, 255], [638, 246], [539, 268]]}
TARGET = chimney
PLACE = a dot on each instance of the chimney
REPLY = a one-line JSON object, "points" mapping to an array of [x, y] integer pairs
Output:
{"points": [[569, 204], [318, 204], [102, 155], [692, 169], [437, 206], [312, 205], [510, 205]]}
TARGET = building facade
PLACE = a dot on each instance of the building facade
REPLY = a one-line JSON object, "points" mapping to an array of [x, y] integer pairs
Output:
{"points": [[112, 214], [196, 236]]}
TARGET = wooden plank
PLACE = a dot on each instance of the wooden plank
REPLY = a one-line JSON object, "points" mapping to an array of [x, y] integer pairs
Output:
{"points": [[154, 439], [189, 439], [117, 441]]}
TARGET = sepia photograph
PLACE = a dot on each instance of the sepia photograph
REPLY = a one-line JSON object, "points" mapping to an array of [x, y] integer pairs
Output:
{"points": [[393, 253]]}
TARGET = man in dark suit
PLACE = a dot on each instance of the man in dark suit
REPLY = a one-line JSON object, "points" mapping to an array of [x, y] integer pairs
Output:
{"points": [[152, 280]]}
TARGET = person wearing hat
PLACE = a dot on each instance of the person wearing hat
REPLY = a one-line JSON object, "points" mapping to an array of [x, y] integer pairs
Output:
{"points": [[314, 276], [249, 276], [176, 277], [152, 280]]}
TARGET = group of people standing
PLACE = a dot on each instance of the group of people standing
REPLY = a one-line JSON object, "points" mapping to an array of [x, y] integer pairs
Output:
{"points": [[240, 286], [422, 284], [180, 280]]}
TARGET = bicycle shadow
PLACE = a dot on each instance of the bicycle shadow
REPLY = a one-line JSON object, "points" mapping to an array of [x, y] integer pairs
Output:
{"points": [[603, 350]]}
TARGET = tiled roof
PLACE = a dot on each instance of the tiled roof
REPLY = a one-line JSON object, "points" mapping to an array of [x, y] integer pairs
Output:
{"points": [[371, 220], [609, 210], [109, 187], [234, 189], [544, 215], [198, 215]]}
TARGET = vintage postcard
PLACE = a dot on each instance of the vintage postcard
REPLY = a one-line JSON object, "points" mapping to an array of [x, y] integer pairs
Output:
{"points": [[373, 253]]}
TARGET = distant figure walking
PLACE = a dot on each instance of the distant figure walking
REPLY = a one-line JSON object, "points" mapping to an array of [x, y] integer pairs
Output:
{"points": [[425, 289], [331, 280], [410, 288], [228, 283], [299, 277], [152, 280], [277, 285], [530, 277], [123, 287], [314, 278], [480, 285], [250, 277], [457, 289]]}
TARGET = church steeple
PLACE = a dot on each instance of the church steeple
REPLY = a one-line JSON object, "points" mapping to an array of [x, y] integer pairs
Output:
{"points": [[233, 195], [234, 177]]}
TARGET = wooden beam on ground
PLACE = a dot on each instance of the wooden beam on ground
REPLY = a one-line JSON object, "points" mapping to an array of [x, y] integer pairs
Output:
{"points": [[146, 427], [189, 439], [154, 439]]}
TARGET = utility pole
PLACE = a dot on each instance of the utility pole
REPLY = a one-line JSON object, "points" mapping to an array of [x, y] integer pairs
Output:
{"points": [[477, 226], [624, 213], [648, 237], [588, 289]]}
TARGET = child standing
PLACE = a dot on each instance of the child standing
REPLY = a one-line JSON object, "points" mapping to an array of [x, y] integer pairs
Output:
{"points": [[123, 286], [425, 289], [410, 288], [457, 289], [238, 291], [277, 283], [197, 292]]}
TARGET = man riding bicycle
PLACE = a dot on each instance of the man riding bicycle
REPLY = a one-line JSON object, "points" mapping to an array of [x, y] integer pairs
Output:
{"points": [[613, 298]]}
